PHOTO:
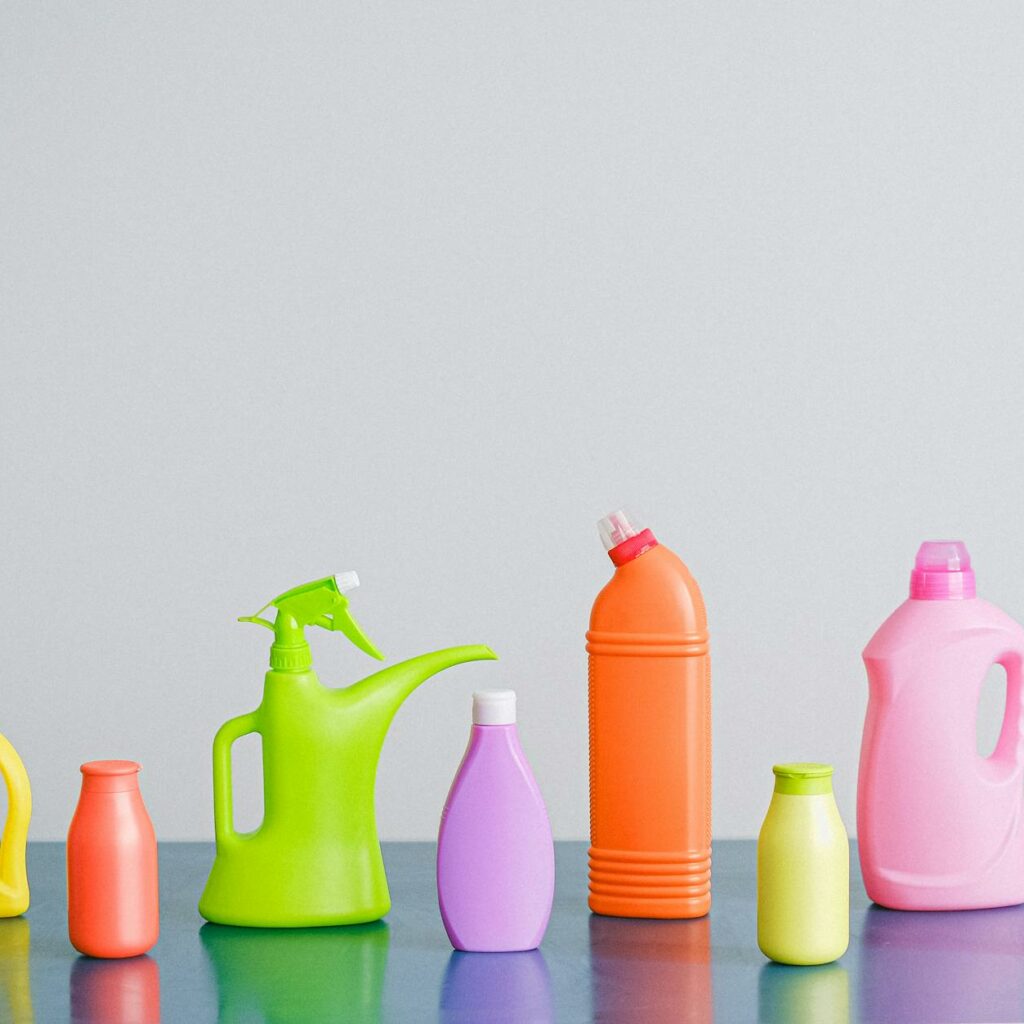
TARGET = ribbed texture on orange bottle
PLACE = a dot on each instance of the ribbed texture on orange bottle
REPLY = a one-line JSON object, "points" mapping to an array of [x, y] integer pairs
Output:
{"points": [[650, 734]]}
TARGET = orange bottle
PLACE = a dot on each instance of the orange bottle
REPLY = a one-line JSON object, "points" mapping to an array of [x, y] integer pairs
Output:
{"points": [[650, 733], [113, 894]]}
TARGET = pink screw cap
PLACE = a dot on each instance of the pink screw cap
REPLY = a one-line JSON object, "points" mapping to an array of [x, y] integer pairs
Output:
{"points": [[942, 572]]}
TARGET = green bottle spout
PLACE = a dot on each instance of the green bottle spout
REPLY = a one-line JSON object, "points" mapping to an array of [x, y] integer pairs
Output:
{"points": [[378, 697]]}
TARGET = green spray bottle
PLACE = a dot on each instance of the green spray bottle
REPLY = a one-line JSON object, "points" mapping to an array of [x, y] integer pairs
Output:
{"points": [[315, 859]]}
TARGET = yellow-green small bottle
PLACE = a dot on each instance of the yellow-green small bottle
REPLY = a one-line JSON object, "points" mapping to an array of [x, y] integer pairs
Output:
{"points": [[803, 870]]}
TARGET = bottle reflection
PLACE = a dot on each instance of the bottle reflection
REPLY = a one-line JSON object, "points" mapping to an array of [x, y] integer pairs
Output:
{"points": [[481, 987], [283, 975], [15, 992], [651, 971], [803, 995], [953, 965], [115, 991]]}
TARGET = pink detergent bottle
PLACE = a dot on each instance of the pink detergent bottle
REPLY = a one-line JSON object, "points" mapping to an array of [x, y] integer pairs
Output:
{"points": [[939, 827], [495, 857]]}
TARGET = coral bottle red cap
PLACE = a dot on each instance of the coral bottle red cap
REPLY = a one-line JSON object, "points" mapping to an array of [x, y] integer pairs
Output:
{"points": [[110, 776]]}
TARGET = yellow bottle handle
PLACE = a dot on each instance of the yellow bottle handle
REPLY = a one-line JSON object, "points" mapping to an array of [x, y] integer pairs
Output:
{"points": [[14, 895]]}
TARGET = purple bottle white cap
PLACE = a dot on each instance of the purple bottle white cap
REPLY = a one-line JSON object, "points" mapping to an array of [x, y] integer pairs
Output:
{"points": [[494, 707], [942, 572]]}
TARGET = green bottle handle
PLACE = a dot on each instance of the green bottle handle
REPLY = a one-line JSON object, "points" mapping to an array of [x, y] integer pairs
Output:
{"points": [[223, 813]]}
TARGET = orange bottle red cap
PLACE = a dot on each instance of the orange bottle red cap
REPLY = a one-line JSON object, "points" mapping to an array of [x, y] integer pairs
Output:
{"points": [[623, 537]]}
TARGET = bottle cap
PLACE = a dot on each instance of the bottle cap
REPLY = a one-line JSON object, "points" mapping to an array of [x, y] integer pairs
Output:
{"points": [[617, 527], [623, 537], [803, 778], [110, 776], [494, 707], [942, 572], [110, 768], [347, 580]]}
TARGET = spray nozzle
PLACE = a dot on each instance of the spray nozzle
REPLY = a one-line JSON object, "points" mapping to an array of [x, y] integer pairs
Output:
{"points": [[320, 603]]}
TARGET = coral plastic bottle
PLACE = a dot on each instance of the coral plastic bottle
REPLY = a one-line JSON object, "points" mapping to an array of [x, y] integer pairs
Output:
{"points": [[650, 733], [113, 895], [940, 827], [495, 857]]}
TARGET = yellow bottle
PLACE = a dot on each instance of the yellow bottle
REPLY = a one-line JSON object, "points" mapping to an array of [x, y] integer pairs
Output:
{"points": [[803, 870], [13, 876]]}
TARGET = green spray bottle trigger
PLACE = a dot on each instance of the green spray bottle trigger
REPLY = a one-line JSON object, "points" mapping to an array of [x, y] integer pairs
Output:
{"points": [[321, 603]]}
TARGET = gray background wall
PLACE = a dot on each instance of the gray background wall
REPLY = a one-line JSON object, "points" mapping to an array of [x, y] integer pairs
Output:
{"points": [[424, 290]]}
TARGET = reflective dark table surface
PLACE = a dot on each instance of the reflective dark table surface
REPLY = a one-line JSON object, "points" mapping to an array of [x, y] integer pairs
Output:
{"points": [[900, 967]]}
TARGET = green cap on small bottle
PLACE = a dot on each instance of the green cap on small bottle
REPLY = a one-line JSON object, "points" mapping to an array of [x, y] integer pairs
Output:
{"points": [[803, 778]]}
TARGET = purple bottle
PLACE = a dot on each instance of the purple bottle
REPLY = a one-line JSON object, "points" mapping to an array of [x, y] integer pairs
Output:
{"points": [[495, 857]]}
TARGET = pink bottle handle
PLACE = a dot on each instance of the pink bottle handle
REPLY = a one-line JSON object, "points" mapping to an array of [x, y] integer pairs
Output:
{"points": [[223, 814], [1008, 756]]}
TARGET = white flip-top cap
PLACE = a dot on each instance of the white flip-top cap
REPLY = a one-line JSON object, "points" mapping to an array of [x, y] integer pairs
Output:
{"points": [[494, 707], [616, 527], [346, 581]]}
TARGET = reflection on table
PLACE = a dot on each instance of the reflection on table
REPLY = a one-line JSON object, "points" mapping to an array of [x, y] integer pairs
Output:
{"points": [[480, 987], [15, 991], [650, 971], [804, 995], [115, 991], [288, 975], [962, 965]]}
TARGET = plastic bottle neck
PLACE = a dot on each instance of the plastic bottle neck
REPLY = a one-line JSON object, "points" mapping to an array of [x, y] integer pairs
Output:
{"points": [[495, 740], [292, 658], [632, 547], [289, 652], [946, 586]]}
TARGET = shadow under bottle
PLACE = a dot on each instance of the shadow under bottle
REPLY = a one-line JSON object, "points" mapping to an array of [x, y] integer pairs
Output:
{"points": [[655, 972], [292, 975], [481, 987], [124, 991]]}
